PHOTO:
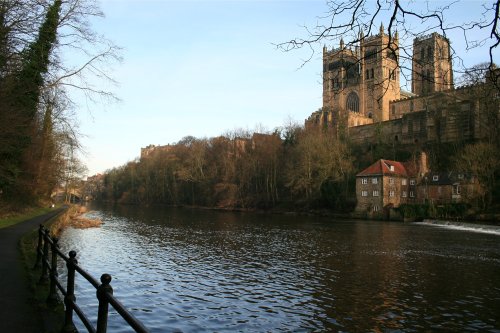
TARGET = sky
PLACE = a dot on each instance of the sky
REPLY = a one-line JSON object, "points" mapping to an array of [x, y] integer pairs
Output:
{"points": [[204, 68]]}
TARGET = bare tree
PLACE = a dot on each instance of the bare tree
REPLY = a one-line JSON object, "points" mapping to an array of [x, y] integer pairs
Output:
{"points": [[350, 21], [95, 55]]}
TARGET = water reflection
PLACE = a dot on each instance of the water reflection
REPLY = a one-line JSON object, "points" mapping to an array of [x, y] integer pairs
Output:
{"points": [[204, 271]]}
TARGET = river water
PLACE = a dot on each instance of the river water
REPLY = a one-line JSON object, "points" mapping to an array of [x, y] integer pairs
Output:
{"points": [[183, 270]]}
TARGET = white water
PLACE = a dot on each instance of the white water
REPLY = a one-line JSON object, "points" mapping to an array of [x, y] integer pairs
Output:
{"points": [[461, 226]]}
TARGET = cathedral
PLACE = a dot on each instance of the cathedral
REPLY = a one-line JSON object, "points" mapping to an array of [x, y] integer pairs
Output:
{"points": [[361, 85]]}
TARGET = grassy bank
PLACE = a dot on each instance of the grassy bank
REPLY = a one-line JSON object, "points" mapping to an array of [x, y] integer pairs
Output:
{"points": [[8, 218]]}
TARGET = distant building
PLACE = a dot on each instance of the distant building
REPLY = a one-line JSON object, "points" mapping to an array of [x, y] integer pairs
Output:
{"points": [[93, 187], [149, 150]]}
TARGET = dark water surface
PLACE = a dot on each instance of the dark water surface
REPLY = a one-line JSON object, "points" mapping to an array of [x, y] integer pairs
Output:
{"points": [[182, 270]]}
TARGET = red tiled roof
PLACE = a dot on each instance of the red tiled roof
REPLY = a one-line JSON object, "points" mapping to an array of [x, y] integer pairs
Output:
{"points": [[383, 167]]}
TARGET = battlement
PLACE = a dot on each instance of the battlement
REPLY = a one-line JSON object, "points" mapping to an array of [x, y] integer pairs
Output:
{"points": [[430, 36]]}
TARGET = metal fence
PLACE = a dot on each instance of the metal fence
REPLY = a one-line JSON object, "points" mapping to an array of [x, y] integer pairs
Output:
{"points": [[47, 256]]}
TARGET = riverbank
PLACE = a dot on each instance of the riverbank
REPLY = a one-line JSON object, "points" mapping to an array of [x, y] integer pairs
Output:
{"points": [[10, 217], [483, 218]]}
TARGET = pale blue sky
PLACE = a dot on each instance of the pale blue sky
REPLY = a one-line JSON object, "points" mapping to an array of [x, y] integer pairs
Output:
{"points": [[202, 68]]}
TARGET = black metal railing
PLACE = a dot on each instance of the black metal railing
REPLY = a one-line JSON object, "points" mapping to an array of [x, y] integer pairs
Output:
{"points": [[104, 291]]}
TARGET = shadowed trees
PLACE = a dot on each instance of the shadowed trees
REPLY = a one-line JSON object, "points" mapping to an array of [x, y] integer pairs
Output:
{"points": [[37, 115], [265, 170]]}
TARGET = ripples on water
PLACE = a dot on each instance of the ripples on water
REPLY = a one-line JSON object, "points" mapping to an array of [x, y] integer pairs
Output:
{"points": [[196, 271]]}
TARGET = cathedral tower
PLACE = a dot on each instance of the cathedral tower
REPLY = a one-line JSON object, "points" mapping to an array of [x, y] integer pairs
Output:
{"points": [[380, 58], [431, 65], [359, 82]]}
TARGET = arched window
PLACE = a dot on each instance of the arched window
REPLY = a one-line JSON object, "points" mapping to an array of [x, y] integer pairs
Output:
{"points": [[352, 102]]}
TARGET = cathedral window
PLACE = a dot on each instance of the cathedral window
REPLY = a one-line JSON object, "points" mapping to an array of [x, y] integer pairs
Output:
{"points": [[422, 54], [392, 74], [367, 74], [352, 102], [429, 53], [372, 73]]}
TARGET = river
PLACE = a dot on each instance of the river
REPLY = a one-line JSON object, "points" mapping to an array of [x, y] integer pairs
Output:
{"points": [[184, 270]]}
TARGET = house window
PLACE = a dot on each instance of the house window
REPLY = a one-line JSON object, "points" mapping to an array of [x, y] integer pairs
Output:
{"points": [[403, 194], [412, 181], [391, 180], [376, 208], [364, 193], [412, 194], [375, 193], [403, 181], [374, 180], [391, 194], [435, 178], [364, 180]]}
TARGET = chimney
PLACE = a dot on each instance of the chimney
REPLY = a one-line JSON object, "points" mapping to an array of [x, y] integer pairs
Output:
{"points": [[422, 164]]}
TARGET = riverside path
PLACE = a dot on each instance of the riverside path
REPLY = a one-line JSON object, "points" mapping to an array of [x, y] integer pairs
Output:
{"points": [[17, 314]]}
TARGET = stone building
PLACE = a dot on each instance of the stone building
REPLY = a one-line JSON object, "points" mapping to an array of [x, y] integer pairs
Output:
{"points": [[362, 98], [448, 187], [431, 65], [388, 184], [383, 185], [359, 83], [151, 149]]}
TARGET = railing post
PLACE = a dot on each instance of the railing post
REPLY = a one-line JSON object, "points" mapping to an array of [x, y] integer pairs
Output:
{"points": [[45, 258], [52, 298], [102, 291], [39, 247], [69, 299]]}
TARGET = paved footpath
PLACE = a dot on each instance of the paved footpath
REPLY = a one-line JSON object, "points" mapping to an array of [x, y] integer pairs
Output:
{"points": [[17, 315]]}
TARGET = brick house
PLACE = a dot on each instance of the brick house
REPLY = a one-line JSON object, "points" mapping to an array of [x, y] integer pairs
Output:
{"points": [[383, 185]]}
